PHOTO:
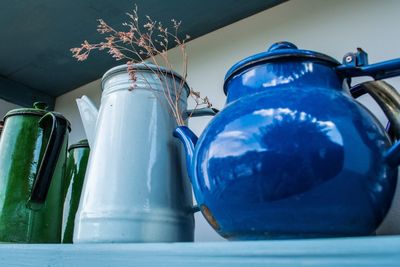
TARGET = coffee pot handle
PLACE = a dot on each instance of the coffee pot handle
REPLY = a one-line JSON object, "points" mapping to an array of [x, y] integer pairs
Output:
{"points": [[54, 130], [191, 113]]}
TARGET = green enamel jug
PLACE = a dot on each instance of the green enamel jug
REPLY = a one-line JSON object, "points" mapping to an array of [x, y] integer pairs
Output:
{"points": [[78, 155], [33, 149]]}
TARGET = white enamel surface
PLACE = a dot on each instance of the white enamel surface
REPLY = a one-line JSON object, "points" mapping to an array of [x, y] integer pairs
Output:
{"points": [[135, 189], [89, 113]]}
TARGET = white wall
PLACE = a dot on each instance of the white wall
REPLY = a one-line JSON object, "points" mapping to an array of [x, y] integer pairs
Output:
{"points": [[67, 106], [5, 107], [333, 27]]}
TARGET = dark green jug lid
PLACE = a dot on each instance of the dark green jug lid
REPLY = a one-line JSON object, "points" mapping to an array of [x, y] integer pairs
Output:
{"points": [[39, 109], [81, 144]]}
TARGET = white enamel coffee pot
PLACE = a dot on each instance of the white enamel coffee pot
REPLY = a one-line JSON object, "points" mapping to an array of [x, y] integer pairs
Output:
{"points": [[135, 189]]}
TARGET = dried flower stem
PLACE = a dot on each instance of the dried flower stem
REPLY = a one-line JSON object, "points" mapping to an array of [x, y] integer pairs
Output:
{"points": [[150, 42]]}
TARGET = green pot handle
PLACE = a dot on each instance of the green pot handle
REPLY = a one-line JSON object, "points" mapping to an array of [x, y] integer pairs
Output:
{"points": [[55, 128]]}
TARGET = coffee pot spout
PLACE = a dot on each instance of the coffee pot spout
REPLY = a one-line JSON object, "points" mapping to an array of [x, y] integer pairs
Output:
{"points": [[89, 114], [189, 140]]}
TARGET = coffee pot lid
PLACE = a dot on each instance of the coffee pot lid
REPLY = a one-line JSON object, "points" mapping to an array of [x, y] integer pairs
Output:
{"points": [[277, 52]]}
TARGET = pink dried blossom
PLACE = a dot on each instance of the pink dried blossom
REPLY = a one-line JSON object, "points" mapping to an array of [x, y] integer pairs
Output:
{"points": [[150, 41]]}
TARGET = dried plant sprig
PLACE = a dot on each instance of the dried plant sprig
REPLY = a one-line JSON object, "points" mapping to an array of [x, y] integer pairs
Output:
{"points": [[149, 42]]}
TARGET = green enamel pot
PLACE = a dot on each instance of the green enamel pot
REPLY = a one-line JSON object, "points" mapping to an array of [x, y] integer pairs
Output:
{"points": [[33, 150], [78, 155]]}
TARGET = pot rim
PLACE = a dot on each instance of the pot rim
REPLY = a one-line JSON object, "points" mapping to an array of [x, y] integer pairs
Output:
{"points": [[81, 144], [147, 67]]}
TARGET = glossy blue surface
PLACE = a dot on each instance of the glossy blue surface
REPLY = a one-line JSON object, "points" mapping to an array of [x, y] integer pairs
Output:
{"points": [[279, 51], [275, 75], [292, 155]]}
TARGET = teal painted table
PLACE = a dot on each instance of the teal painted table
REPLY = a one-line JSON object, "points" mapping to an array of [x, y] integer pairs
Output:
{"points": [[366, 251]]}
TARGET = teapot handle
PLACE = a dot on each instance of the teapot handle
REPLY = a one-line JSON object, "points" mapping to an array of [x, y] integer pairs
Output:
{"points": [[388, 99], [54, 129], [378, 71], [356, 65]]}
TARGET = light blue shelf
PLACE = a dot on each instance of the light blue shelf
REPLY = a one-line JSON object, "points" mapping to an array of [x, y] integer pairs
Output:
{"points": [[367, 251]]}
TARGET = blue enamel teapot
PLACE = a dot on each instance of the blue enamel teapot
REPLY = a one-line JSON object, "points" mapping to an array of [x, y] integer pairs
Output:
{"points": [[292, 154]]}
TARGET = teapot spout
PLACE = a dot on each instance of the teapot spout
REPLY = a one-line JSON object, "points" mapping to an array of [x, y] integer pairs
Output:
{"points": [[89, 114], [189, 140]]}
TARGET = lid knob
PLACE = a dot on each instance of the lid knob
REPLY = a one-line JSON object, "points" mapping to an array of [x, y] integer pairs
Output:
{"points": [[40, 105], [282, 45]]}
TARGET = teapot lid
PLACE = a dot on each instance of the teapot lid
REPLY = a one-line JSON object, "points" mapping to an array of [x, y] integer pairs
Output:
{"points": [[81, 144], [279, 51], [39, 109]]}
